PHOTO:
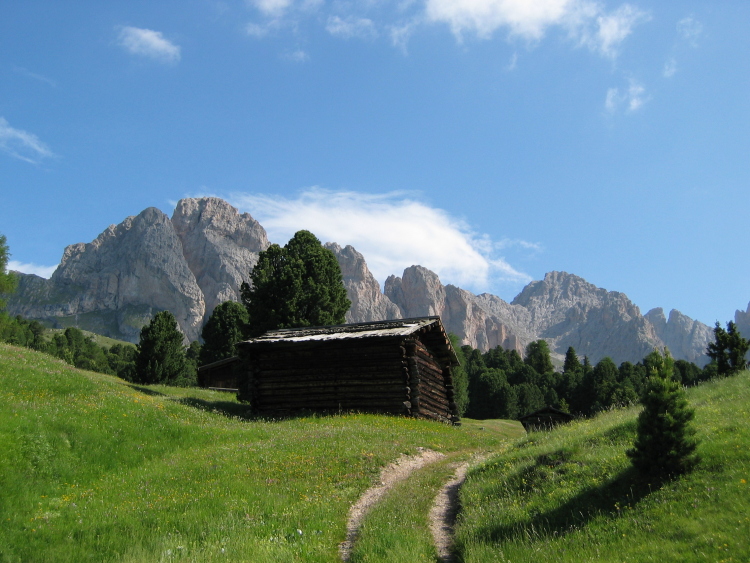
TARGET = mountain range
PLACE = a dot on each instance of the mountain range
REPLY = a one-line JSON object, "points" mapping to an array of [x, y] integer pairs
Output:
{"points": [[198, 258]]}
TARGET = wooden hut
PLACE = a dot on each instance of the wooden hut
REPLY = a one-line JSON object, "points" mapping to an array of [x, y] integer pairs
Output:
{"points": [[545, 419], [399, 367], [220, 375]]}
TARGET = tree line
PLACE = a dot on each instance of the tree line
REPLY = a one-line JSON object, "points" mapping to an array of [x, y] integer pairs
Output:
{"points": [[300, 284], [502, 384]]}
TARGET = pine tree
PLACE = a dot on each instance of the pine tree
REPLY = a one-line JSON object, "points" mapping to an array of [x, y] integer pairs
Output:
{"points": [[665, 442], [223, 330], [295, 286], [7, 280], [161, 355], [728, 350]]}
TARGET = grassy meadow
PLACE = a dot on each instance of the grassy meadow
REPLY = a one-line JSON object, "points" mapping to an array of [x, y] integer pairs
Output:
{"points": [[571, 495], [96, 469]]}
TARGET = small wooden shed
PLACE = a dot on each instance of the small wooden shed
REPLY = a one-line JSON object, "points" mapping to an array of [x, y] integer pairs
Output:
{"points": [[545, 418], [220, 375], [398, 367]]}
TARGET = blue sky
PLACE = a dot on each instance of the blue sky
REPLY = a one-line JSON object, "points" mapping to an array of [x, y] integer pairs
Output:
{"points": [[489, 140]]}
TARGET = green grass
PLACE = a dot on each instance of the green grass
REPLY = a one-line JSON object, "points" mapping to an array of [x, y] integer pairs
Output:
{"points": [[570, 495], [105, 341], [94, 468]]}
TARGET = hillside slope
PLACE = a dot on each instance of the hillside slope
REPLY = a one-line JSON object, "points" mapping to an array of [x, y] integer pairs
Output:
{"points": [[571, 495], [94, 468]]}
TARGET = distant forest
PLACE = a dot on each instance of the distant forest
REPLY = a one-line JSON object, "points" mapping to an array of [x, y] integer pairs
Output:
{"points": [[502, 384], [495, 384]]}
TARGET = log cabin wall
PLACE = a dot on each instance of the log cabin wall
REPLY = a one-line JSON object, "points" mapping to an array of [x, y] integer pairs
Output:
{"points": [[405, 374]]}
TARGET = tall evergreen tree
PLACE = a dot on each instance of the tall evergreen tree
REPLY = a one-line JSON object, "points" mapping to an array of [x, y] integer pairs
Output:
{"points": [[224, 329], [460, 378], [7, 280], [538, 357], [295, 286], [728, 349], [665, 442], [161, 355], [572, 364]]}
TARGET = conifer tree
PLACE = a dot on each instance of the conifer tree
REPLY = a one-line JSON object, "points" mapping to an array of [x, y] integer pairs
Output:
{"points": [[223, 330], [295, 286], [7, 280], [161, 355], [665, 442], [728, 350]]}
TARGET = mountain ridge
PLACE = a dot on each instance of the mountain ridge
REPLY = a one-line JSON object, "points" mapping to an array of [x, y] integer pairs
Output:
{"points": [[197, 259]]}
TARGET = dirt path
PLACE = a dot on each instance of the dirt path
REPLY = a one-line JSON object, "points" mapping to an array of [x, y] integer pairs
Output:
{"points": [[391, 474], [444, 512]]}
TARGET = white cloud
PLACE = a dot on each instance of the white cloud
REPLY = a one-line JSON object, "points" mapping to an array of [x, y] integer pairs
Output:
{"points": [[298, 56], [400, 35], [21, 144], [631, 98], [362, 28], [584, 20], [272, 8], [612, 29], [513, 62], [393, 231], [42, 271], [670, 68], [34, 76], [148, 43], [690, 29]]}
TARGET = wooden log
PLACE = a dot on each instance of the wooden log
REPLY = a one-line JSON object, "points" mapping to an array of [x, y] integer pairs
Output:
{"points": [[330, 404], [343, 383], [424, 406]]}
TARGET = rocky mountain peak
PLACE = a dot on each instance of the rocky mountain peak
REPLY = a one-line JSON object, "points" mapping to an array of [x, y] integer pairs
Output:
{"points": [[363, 290], [221, 246]]}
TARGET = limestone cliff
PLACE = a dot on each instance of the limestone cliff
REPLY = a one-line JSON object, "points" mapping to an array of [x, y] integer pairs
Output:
{"points": [[221, 246], [148, 263], [362, 289], [117, 282], [189, 264]]}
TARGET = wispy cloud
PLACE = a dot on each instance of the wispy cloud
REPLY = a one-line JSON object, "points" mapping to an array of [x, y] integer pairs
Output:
{"points": [[584, 20], [610, 30], [34, 76], [148, 43], [631, 98], [347, 28], [296, 56], [21, 144], [393, 231], [690, 29], [272, 8], [41, 271], [670, 68]]}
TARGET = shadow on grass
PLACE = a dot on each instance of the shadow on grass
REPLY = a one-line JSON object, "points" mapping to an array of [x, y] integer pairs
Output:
{"points": [[244, 411], [230, 409], [147, 390], [610, 499]]}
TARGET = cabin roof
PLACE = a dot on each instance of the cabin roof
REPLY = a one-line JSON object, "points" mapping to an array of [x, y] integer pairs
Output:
{"points": [[354, 331]]}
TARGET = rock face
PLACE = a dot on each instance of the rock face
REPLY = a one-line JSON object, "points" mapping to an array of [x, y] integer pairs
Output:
{"points": [[220, 246], [563, 309], [199, 258], [686, 339], [742, 320], [148, 263], [363, 290]]}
